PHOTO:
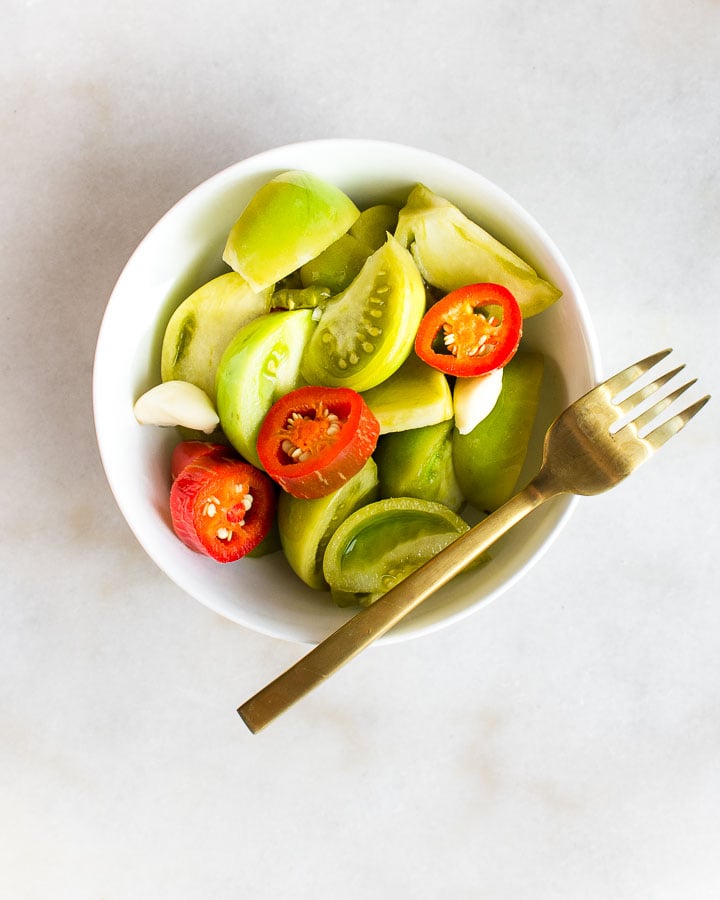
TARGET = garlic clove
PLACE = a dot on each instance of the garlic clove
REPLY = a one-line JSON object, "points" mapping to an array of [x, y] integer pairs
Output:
{"points": [[177, 403], [475, 398]]}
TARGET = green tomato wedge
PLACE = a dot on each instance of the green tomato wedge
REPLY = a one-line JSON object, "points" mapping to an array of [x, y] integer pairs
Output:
{"points": [[373, 224], [289, 221], [414, 396], [418, 463], [488, 460], [367, 332], [337, 265], [383, 542], [451, 251], [306, 526], [269, 544], [203, 325], [260, 365]]}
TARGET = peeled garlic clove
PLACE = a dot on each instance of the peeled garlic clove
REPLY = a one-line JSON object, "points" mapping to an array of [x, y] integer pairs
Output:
{"points": [[177, 403], [474, 399]]}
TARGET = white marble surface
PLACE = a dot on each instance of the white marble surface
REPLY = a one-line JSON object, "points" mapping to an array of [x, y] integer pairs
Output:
{"points": [[562, 743]]}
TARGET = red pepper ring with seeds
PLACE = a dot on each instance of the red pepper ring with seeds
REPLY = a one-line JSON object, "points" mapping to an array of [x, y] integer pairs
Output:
{"points": [[471, 331], [315, 438], [222, 506]]}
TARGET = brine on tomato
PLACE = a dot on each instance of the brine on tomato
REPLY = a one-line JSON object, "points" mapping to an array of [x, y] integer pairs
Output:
{"points": [[471, 331], [315, 438], [222, 506]]}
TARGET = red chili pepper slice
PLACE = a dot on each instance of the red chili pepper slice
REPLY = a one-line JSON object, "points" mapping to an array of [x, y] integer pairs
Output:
{"points": [[221, 506], [471, 331], [186, 451], [315, 438]]}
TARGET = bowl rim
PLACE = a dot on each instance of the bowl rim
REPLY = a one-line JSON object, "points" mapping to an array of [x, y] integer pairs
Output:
{"points": [[278, 155]]}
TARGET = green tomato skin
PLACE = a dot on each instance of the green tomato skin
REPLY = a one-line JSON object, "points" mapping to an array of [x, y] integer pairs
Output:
{"points": [[290, 220], [269, 544], [419, 463], [451, 251], [203, 325], [488, 460], [260, 365], [306, 526], [336, 266], [374, 224], [381, 543]]}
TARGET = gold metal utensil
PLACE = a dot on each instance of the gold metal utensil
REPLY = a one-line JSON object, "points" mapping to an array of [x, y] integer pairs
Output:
{"points": [[589, 448]]}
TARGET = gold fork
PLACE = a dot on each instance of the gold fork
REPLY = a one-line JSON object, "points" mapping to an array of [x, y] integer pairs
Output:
{"points": [[588, 449]]}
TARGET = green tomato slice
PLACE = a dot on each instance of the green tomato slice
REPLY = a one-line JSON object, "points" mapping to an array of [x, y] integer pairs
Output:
{"points": [[336, 266], [260, 365], [418, 463], [203, 325], [415, 395], [306, 526], [488, 460], [366, 332], [290, 220], [383, 542], [373, 224], [452, 251]]}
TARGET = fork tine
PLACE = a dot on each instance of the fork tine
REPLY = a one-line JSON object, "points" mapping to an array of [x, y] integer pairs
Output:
{"points": [[629, 404], [617, 383], [665, 431], [650, 414]]}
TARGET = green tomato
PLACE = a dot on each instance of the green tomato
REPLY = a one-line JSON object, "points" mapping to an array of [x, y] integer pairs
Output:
{"points": [[418, 463], [336, 266], [374, 223], [368, 331], [451, 251], [306, 526], [260, 365], [289, 221], [269, 544], [203, 325], [383, 542], [488, 460], [414, 396]]}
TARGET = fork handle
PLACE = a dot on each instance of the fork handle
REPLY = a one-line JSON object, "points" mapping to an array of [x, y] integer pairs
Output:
{"points": [[369, 624]]}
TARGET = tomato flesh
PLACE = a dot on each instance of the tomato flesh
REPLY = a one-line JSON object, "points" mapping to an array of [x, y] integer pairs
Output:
{"points": [[471, 331], [383, 542], [314, 439], [221, 507], [306, 526]]}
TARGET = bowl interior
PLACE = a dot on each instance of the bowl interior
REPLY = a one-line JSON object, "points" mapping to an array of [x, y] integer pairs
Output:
{"points": [[184, 250]]}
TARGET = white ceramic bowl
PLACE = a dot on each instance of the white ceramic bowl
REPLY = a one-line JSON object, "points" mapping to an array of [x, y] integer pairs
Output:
{"points": [[183, 250]]}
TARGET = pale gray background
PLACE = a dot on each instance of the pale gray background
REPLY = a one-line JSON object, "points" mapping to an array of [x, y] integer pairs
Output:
{"points": [[562, 743]]}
